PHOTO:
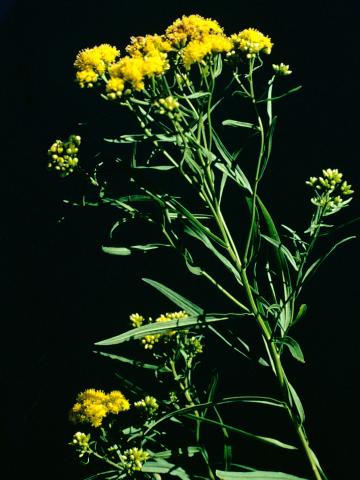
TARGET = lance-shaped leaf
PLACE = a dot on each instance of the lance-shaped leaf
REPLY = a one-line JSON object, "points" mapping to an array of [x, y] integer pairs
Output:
{"points": [[162, 327], [237, 123], [129, 250], [256, 475], [130, 361], [285, 250], [175, 297], [293, 347]]}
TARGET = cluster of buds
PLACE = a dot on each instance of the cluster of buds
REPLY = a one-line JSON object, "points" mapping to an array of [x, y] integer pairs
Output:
{"points": [[63, 155], [81, 442], [147, 405], [329, 190], [282, 69], [168, 106], [194, 346], [133, 459]]}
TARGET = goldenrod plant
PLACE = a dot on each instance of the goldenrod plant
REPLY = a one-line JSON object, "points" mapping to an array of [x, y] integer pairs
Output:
{"points": [[183, 174]]}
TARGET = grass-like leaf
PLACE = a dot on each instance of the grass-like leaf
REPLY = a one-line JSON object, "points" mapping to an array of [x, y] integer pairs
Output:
{"points": [[257, 475]]}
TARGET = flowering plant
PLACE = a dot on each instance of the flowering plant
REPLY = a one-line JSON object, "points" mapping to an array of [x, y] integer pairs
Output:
{"points": [[178, 85]]}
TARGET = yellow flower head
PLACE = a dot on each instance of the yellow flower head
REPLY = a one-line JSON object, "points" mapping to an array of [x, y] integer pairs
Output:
{"points": [[196, 50], [63, 155], [329, 190], [148, 45], [87, 78], [115, 87], [116, 402], [251, 42], [96, 58], [136, 320], [92, 406], [133, 459], [191, 27], [133, 70]]}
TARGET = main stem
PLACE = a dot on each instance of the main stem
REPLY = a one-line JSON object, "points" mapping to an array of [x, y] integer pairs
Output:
{"points": [[274, 353]]}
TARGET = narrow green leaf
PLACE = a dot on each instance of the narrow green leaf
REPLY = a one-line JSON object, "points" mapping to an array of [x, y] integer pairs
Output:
{"points": [[285, 250], [176, 298], [161, 327], [256, 475], [293, 347], [116, 250], [260, 438], [294, 398], [236, 123], [312, 269], [301, 313], [157, 167], [135, 363]]}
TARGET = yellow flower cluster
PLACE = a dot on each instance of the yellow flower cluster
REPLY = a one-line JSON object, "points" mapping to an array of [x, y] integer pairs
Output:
{"points": [[81, 442], [92, 406], [251, 42], [147, 405], [167, 105], [192, 27], [148, 45], [149, 341], [196, 50], [282, 69], [188, 40], [63, 155], [133, 459], [92, 62], [329, 189]]}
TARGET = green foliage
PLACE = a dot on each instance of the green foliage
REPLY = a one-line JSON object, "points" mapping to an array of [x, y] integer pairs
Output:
{"points": [[178, 148]]}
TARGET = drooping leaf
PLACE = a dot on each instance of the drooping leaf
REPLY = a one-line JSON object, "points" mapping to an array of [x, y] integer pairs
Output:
{"points": [[123, 251], [268, 440], [293, 347], [131, 361], [285, 250], [176, 298], [256, 475]]}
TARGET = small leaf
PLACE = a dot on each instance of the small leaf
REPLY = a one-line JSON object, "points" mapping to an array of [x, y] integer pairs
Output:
{"points": [[116, 250], [293, 346], [301, 313], [236, 123], [256, 475]]}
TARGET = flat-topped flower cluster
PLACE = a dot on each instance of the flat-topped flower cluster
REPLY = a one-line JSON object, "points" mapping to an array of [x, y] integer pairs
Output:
{"points": [[188, 40]]}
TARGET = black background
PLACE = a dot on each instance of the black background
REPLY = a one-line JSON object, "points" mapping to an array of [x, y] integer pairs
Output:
{"points": [[60, 293]]}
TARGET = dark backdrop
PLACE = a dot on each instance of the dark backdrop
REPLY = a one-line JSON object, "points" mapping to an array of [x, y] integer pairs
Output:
{"points": [[60, 293]]}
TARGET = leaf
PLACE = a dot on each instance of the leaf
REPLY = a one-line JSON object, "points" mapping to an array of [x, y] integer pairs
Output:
{"points": [[256, 475], [312, 269], [294, 398], [161, 327], [268, 440], [176, 298], [116, 250], [128, 251], [236, 123], [284, 250], [293, 346], [162, 466], [157, 167], [135, 363], [235, 173], [301, 313]]}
